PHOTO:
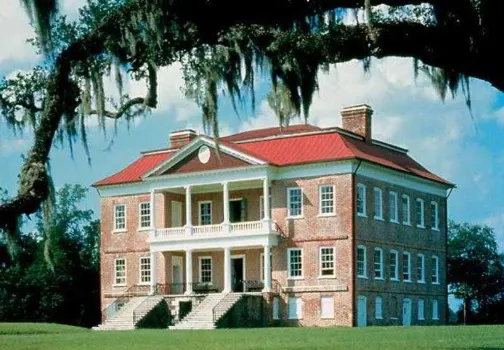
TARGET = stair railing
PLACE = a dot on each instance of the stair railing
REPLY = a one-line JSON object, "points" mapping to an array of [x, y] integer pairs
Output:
{"points": [[136, 313], [221, 308]]}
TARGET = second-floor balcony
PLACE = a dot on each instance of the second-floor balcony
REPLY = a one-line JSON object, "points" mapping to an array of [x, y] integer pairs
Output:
{"points": [[212, 215], [238, 228]]}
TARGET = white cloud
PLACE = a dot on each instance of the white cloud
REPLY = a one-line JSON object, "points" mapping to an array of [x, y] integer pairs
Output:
{"points": [[10, 146]]}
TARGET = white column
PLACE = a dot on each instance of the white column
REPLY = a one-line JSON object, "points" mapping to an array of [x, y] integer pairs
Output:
{"points": [[267, 269], [189, 277], [226, 206], [153, 268], [227, 270], [188, 203], [152, 214], [266, 205]]}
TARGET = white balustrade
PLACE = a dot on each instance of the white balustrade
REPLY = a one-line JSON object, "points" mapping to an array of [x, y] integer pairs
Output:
{"points": [[209, 230]]}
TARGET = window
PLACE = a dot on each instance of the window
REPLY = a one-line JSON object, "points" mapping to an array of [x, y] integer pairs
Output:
{"points": [[295, 308], [420, 217], [435, 310], [145, 214], [393, 308], [420, 268], [393, 207], [361, 200], [205, 213], [394, 265], [262, 265], [205, 274], [378, 204], [406, 210], [120, 271], [435, 270], [295, 262], [145, 270], [406, 267], [276, 308], [361, 262], [378, 263], [295, 202], [261, 207], [119, 217], [421, 309], [327, 262], [379, 308], [434, 216], [326, 307], [326, 200]]}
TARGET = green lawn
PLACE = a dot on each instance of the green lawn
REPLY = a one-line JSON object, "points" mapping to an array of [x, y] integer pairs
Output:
{"points": [[43, 336]]}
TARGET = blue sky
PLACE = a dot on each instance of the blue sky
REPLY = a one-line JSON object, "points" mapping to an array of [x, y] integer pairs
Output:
{"points": [[442, 136]]}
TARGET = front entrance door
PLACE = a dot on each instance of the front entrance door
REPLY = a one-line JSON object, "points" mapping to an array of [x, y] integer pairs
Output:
{"points": [[361, 311], [406, 313], [237, 273], [237, 210], [177, 284], [176, 214]]}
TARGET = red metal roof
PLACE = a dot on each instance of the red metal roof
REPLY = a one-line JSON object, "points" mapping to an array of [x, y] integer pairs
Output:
{"points": [[260, 133], [291, 150], [135, 171]]}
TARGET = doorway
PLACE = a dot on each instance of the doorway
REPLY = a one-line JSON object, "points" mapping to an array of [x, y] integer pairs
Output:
{"points": [[238, 210], [361, 311], [237, 273], [177, 284], [176, 214], [406, 320]]}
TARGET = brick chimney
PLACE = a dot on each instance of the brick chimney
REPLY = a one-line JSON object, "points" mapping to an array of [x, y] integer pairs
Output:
{"points": [[180, 138], [357, 119]]}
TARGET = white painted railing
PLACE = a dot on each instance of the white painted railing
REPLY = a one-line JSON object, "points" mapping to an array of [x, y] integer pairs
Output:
{"points": [[206, 230], [247, 226], [170, 232], [209, 230]]}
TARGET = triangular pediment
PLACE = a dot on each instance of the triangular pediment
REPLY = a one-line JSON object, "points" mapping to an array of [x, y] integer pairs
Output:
{"points": [[201, 155]]}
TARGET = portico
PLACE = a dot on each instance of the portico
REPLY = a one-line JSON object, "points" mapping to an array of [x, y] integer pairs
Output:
{"points": [[250, 230]]}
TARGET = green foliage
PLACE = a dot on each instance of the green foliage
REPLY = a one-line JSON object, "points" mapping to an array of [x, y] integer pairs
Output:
{"points": [[66, 291], [475, 268]]}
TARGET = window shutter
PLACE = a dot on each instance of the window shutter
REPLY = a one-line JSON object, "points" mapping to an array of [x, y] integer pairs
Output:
{"points": [[243, 214]]}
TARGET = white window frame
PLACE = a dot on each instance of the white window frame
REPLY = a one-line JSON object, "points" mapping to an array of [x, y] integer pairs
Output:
{"points": [[200, 203], [140, 216], [422, 270], [396, 268], [393, 214], [409, 266], [200, 275], [261, 207], [289, 266], [141, 269], [332, 207], [406, 218], [261, 265], [364, 262], [289, 212], [125, 228], [435, 216], [380, 264], [125, 272], [421, 309], [435, 309], [363, 188], [326, 310], [379, 308], [298, 315], [435, 270], [420, 224], [378, 210], [321, 269]]}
